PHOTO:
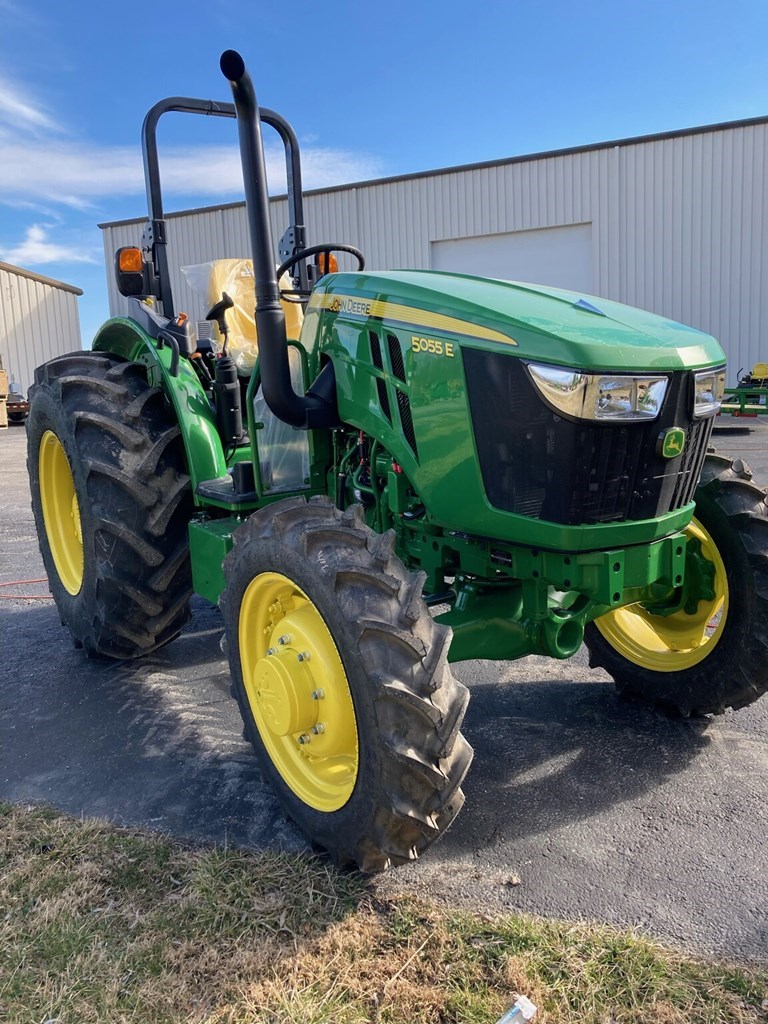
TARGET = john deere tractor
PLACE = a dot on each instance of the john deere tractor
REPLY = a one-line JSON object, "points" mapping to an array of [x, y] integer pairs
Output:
{"points": [[530, 464]]}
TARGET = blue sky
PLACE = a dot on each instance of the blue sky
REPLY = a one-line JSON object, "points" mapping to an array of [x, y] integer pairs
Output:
{"points": [[372, 89]]}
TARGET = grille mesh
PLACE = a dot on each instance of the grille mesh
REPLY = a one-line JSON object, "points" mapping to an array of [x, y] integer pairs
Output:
{"points": [[396, 357], [381, 386], [375, 350], [404, 405]]}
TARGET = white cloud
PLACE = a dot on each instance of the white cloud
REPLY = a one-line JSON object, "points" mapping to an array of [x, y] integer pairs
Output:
{"points": [[37, 208], [37, 249], [80, 175], [19, 112]]}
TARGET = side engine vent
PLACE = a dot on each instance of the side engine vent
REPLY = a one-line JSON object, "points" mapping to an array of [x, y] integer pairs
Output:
{"points": [[375, 350], [396, 357], [404, 405], [381, 386]]}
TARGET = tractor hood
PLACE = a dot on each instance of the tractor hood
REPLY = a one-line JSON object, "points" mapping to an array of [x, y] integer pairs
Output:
{"points": [[546, 324]]}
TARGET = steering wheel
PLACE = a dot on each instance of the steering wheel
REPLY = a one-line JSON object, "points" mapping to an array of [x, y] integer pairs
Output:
{"points": [[297, 294]]}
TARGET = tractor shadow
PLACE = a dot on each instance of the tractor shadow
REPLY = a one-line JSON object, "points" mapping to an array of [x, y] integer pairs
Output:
{"points": [[153, 743], [557, 750], [158, 742]]}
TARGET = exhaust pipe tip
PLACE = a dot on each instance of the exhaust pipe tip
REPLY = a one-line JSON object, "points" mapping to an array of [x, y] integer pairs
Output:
{"points": [[232, 65], [285, 403]]}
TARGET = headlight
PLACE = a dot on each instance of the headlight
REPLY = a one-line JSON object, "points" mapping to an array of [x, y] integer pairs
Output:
{"points": [[591, 396], [709, 388]]}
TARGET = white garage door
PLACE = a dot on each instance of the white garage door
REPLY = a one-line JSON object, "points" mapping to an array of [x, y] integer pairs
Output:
{"points": [[561, 256]]}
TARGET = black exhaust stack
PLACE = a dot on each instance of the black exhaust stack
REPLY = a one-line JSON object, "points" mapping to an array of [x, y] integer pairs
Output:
{"points": [[312, 409]]}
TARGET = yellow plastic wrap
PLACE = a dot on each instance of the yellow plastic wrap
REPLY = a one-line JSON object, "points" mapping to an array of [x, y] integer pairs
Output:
{"points": [[235, 277]]}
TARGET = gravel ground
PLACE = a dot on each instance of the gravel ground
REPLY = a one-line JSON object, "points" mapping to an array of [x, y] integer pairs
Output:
{"points": [[578, 805]]}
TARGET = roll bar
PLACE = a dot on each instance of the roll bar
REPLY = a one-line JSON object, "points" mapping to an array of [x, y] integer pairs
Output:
{"points": [[155, 237], [317, 408]]}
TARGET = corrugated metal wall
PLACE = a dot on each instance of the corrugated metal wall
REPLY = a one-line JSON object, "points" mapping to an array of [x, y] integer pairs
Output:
{"points": [[677, 224], [38, 320]]}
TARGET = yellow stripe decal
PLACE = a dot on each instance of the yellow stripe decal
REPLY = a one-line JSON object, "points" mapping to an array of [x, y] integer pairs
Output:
{"points": [[351, 305]]}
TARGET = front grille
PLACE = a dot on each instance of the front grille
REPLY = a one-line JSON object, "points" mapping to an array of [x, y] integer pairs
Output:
{"points": [[537, 463]]}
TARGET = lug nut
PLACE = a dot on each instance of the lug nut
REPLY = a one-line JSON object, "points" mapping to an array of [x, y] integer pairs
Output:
{"points": [[318, 694], [271, 650], [304, 656], [284, 639], [303, 739], [319, 728]]}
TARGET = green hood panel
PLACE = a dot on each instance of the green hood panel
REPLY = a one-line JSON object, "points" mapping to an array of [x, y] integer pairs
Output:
{"points": [[395, 341], [546, 324]]}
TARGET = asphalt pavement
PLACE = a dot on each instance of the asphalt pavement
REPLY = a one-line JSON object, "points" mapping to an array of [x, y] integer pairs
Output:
{"points": [[579, 805]]}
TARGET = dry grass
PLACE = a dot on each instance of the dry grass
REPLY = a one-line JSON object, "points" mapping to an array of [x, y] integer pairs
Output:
{"points": [[107, 925]]}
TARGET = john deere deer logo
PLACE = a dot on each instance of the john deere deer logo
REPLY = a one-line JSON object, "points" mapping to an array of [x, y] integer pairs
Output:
{"points": [[671, 442]]}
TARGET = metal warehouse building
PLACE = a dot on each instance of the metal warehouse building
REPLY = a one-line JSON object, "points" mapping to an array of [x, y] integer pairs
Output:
{"points": [[673, 223], [38, 320]]}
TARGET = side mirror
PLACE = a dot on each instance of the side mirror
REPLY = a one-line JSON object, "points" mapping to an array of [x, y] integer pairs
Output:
{"points": [[132, 272]]}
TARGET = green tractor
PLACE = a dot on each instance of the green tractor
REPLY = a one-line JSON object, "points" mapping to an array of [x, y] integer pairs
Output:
{"points": [[533, 465]]}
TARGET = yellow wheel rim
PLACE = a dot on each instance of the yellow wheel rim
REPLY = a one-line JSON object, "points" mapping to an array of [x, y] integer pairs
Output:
{"points": [[676, 642], [298, 691], [61, 512]]}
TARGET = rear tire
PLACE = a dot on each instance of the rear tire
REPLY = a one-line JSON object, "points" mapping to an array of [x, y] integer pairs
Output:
{"points": [[732, 666], [105, 444], [382, 688]]}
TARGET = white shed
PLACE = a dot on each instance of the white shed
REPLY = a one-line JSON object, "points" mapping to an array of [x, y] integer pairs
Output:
{"points": [[674, 223], [38, 320]]}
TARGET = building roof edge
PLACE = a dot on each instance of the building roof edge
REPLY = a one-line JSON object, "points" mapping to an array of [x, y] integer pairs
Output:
{"points": [[635, 140], [33, 276]]}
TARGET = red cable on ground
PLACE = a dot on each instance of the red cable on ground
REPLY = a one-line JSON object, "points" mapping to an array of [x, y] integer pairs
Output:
{"points": [[24, 597], [23, 583]]}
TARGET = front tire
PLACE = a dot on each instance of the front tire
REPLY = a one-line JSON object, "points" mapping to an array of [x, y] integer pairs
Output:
{"points": [[111, 499], [717, 657], [342, 679]]}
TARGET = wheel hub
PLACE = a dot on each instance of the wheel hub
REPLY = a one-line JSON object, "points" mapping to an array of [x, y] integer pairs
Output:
{"points": [[284, 694], [298, 691]]}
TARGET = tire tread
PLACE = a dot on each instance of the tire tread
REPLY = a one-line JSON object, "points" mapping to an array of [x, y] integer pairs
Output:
{"points": [[418, 705], [126, 451]]}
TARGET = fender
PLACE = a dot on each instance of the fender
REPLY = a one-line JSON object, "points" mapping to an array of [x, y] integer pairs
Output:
{"points": [[205, 454]]}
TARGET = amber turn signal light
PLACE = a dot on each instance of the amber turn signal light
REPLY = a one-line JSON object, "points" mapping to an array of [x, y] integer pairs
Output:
{"points": [[130, 261], [327, 263], [132, 273]]}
